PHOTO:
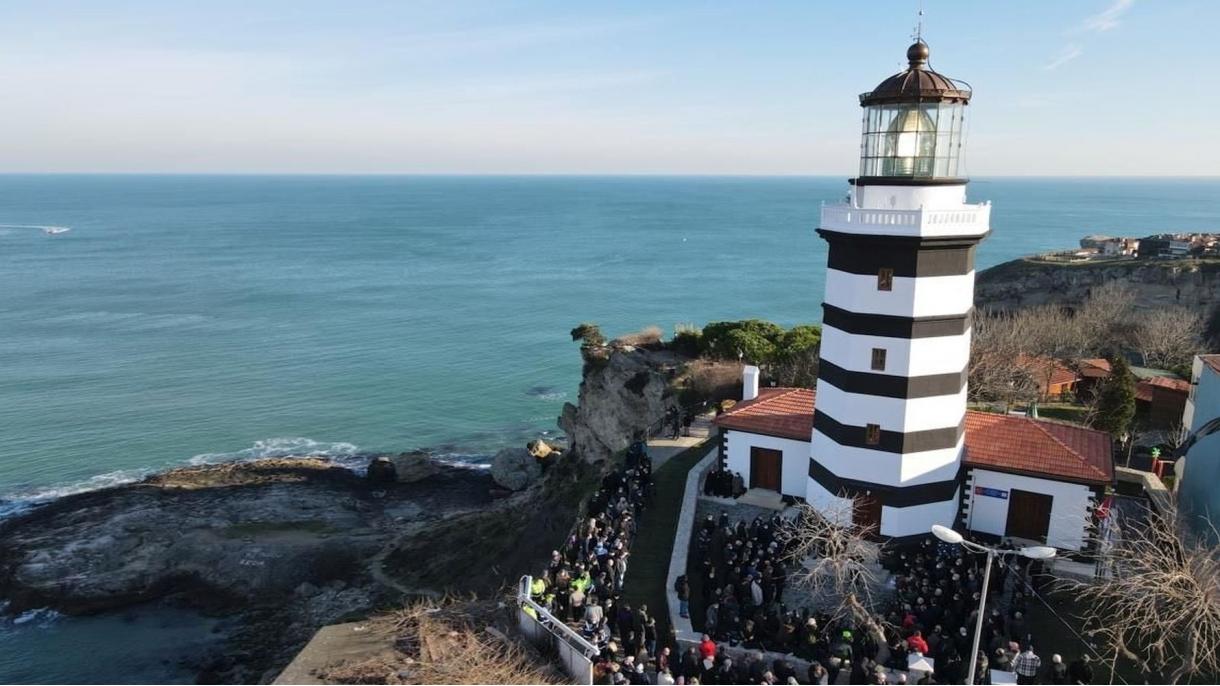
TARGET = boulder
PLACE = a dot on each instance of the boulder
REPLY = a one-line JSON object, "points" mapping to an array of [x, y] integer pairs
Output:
{"points": [[382, 471], [415, 466], [515, 468], [540, 449]]}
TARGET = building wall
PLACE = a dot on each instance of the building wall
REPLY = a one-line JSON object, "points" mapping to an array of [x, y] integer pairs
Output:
{"points": [[1199, 472], [1071, 507], [795, 470]]}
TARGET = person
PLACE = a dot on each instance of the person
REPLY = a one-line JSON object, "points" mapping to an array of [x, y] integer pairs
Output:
{"points": [[917, 643], [1081, 671], [1058, 673], [707, 647], [682, 588], [1027, 665]]}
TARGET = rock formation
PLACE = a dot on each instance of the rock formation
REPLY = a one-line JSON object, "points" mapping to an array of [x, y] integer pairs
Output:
{"points": [[1024, 282], [620, 397], [515, 468]]}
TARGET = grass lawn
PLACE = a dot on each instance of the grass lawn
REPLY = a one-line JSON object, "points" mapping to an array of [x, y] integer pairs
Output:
{"points": [[1064, 412], [648, 571]]}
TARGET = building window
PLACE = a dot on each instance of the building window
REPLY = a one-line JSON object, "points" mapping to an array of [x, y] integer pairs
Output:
{"points": [[878, 359], [872, 434], [885, 279]]}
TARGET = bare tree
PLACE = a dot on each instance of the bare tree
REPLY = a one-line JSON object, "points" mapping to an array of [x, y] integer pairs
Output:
{"points": [[837, 564], [1104, 319], [1159, 605], [999, 340], [1169, 337]]}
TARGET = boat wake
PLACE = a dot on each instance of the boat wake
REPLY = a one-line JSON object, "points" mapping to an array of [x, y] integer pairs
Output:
{"points": [[47, 229]]}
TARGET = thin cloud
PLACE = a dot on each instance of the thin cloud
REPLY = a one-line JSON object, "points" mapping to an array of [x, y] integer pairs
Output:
{"points": [[1068, 54], [1108, 18]]}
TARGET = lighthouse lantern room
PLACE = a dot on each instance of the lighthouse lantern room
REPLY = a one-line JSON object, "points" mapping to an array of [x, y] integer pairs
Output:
{"points": [[888, 427]]}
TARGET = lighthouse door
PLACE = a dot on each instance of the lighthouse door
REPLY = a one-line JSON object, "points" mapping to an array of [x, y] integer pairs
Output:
{"points": [[866, 512], [766, 468]]}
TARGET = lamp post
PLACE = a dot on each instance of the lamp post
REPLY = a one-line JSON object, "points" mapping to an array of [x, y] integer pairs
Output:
{"points": [[1034, 552]]}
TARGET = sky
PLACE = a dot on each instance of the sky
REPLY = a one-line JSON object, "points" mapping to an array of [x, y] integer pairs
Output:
{"points": [[1086, 87]]}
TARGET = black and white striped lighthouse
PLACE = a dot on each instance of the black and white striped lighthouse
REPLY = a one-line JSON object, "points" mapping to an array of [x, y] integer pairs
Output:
{"points": [[891, 392]]}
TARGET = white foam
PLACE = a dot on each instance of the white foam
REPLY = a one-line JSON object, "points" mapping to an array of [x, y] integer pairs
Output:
{"points": [[41, 617], [342, 454]]}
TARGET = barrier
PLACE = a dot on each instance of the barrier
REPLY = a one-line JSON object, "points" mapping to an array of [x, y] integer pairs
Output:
{"points": [[677, 561], [541, 626]]}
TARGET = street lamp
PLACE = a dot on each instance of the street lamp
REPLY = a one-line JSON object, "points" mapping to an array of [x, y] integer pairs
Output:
{"points": [[1034, 552]]}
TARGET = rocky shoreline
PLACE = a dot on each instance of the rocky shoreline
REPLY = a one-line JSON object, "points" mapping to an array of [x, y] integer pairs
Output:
{"points": [[280, 547]]}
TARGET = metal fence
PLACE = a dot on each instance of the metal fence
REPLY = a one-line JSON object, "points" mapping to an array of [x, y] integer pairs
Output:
{"points": [[541, 626]]}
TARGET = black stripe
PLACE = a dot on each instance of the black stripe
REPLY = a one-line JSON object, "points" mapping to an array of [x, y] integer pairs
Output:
{"points": [[892, 326], [907, 181], [893, 496], [907, 255], [889, 385], [891, 441]]}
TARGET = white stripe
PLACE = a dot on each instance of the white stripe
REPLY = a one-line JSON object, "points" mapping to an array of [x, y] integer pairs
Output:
{"points": [[881, 467], [892, 414], [924, 296], [903, 357]]}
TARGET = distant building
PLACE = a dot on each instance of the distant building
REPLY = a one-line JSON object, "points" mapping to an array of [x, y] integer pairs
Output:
{"points": [[1160, 401], [1165, 246], [1055, 380]]}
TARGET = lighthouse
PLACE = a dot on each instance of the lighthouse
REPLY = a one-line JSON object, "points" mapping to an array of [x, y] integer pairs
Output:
{"points": [[888, 426]]}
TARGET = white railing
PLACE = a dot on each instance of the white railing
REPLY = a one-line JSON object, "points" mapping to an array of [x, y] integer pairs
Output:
{"points": [[576, 652], [968, 219]]}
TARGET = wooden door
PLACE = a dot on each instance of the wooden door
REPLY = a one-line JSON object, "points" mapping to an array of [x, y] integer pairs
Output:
{"points": [[866, 512], [1029, 515], [766, 468]]}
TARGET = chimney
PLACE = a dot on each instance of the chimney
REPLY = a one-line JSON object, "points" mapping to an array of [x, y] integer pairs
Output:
{"points": [[749, 382]]}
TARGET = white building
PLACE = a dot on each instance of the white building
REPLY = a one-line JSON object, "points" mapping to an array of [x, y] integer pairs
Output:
{"points": [[888, 440], [1199, 471], [1021, 478]]}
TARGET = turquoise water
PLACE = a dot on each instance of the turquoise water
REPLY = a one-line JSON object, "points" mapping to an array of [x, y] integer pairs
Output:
{"points": [[231, 316], [206, 318]]}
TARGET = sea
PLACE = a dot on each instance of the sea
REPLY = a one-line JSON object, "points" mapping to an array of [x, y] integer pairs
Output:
{"points": [[199, 319]]}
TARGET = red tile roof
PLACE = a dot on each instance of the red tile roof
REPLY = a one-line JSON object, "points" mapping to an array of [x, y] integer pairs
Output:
{"points": [[1004, 442], [1170, 383], [1039, 366], [1037, 447], [1097, 367], [783, 412], [1143, 392]]}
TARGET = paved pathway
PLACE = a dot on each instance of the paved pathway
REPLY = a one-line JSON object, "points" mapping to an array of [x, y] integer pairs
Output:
{"points": [[661, 449]]}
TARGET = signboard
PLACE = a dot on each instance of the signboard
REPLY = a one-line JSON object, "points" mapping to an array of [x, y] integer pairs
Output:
{"points": [[991, 492]]}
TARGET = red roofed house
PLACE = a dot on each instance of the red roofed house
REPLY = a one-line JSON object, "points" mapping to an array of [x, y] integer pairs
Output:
{"points": [[1021, 478], [1160, 401]]}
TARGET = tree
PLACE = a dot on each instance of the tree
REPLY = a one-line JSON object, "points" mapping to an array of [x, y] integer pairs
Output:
{"points": [[1169, 337], [1116, 402], [836, 563], [752, 339], [589, 334], [1159, 605]]}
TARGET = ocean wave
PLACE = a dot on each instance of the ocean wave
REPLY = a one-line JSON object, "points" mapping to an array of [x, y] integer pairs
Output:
{"points": [[17, 503], [342, 454], [41, 618], [36, 227], [337, 452]]}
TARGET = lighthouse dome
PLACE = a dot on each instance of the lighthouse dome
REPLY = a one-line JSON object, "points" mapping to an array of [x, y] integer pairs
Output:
{"points": [[917, 83]]}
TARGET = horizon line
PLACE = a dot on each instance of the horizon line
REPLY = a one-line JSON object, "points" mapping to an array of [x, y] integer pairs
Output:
{"points": [[355, 174]]}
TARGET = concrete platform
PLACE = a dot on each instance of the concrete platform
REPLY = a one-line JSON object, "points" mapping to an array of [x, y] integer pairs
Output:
{"points": [[762, 497]]}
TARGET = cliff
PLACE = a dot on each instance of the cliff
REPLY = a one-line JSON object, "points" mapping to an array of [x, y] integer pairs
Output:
{"points": [[1026, 281], [620, 396]]}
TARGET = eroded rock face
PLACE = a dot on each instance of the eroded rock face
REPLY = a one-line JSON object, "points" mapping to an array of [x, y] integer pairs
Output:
{"points": [[619, 398], [1022, 283], [515, 468]]}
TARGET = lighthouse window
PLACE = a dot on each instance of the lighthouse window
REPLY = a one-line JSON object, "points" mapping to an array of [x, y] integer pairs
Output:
{"points": [[878, 359], [872, 434], [885, 279]]}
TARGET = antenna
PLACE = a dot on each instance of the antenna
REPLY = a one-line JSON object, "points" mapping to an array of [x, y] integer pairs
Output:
{"points": [[917, 36]]}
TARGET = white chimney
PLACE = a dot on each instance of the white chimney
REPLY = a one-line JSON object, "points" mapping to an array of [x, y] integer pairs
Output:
{"points": [[749, 382]]}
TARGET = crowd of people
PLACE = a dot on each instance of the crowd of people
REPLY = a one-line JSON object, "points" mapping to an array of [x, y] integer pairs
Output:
{"points": [[743, 571]]}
